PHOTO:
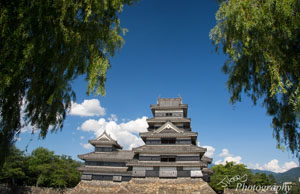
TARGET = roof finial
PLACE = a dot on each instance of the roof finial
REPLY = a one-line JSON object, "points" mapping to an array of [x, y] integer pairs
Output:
{"points": [[158, 99]]}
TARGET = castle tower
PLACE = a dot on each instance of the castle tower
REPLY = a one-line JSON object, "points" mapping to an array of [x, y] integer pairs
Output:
{"points": [[170, 149], [107, 162]]}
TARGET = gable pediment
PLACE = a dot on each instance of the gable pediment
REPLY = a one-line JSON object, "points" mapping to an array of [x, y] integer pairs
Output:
{"points": [[105, 137], [168, 127]]}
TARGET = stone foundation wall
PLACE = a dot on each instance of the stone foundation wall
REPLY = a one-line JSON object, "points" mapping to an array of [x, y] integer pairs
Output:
{"points": [[134, 186], [145, 186]]}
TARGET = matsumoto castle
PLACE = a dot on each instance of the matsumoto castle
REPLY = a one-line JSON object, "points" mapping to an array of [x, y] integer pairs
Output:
{"points": [[170, 150]]}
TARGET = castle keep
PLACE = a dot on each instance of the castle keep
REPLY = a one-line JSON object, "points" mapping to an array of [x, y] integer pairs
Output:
{"points": [[170, 149]]}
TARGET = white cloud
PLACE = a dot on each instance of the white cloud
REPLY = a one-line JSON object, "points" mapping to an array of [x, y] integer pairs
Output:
{"points": [[289, 165], [113, 117], [274, 166], [81, 137], [87, 146], [224, 153], [126, 133], [210, 151], [87, 108], [227, 157]]}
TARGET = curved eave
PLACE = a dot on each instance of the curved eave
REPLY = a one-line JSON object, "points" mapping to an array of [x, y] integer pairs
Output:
{"points": [[104, 159], [105, 143], [167, 164], [115, 156], [207, 159], [169, 149]]}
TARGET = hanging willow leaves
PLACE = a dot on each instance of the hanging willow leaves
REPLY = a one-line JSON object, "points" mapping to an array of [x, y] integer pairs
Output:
{"points": [[44, 45], [262, 40]]}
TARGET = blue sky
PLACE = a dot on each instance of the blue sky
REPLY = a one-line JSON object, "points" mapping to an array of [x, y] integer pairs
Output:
{"points": [[168, 53]]}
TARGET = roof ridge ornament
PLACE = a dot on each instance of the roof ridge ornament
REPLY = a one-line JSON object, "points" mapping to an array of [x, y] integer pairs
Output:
{"points": [[105, 135]]}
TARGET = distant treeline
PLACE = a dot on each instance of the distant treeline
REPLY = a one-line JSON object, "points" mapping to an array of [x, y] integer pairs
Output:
{"points": [[41, 168], [292, 175]]}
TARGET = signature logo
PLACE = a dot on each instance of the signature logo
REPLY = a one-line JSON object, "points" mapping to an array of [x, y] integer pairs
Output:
{"points": [[227, 181]]}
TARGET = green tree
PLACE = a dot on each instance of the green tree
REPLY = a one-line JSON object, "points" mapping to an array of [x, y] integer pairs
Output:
{"points": [[261, 39], [229, 175], [260, 179], [65, 173], [14, 169], [40, 166], [49, 170], [233, 176], [272, 179], [44, 45], [295, 188]]}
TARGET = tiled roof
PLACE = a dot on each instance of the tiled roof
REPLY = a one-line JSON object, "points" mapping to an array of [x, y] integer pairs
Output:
{"points": [[207, 159], [119, 155], [168, 164], [97, 143], [169, 149], [105, 139], [169, 102]]}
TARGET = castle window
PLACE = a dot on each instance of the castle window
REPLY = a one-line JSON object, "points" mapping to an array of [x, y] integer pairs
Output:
{"points": [[168, 141], [168, 114], [168, 159]]}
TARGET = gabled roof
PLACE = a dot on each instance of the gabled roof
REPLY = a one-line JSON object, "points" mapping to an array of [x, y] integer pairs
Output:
{"points": [[169, 130], [105, 139], [168, 127]]}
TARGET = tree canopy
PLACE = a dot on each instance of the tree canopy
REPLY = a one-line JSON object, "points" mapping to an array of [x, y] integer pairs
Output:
{"points": [[262, 41], [231, 174], [41, 168], [44, 45]]}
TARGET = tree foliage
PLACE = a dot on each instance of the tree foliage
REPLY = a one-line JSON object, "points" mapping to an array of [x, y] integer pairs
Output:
{"points": [[262, 40], [228, 176], [41, 168], [13, 171], [44, 45], [231, 174]]}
